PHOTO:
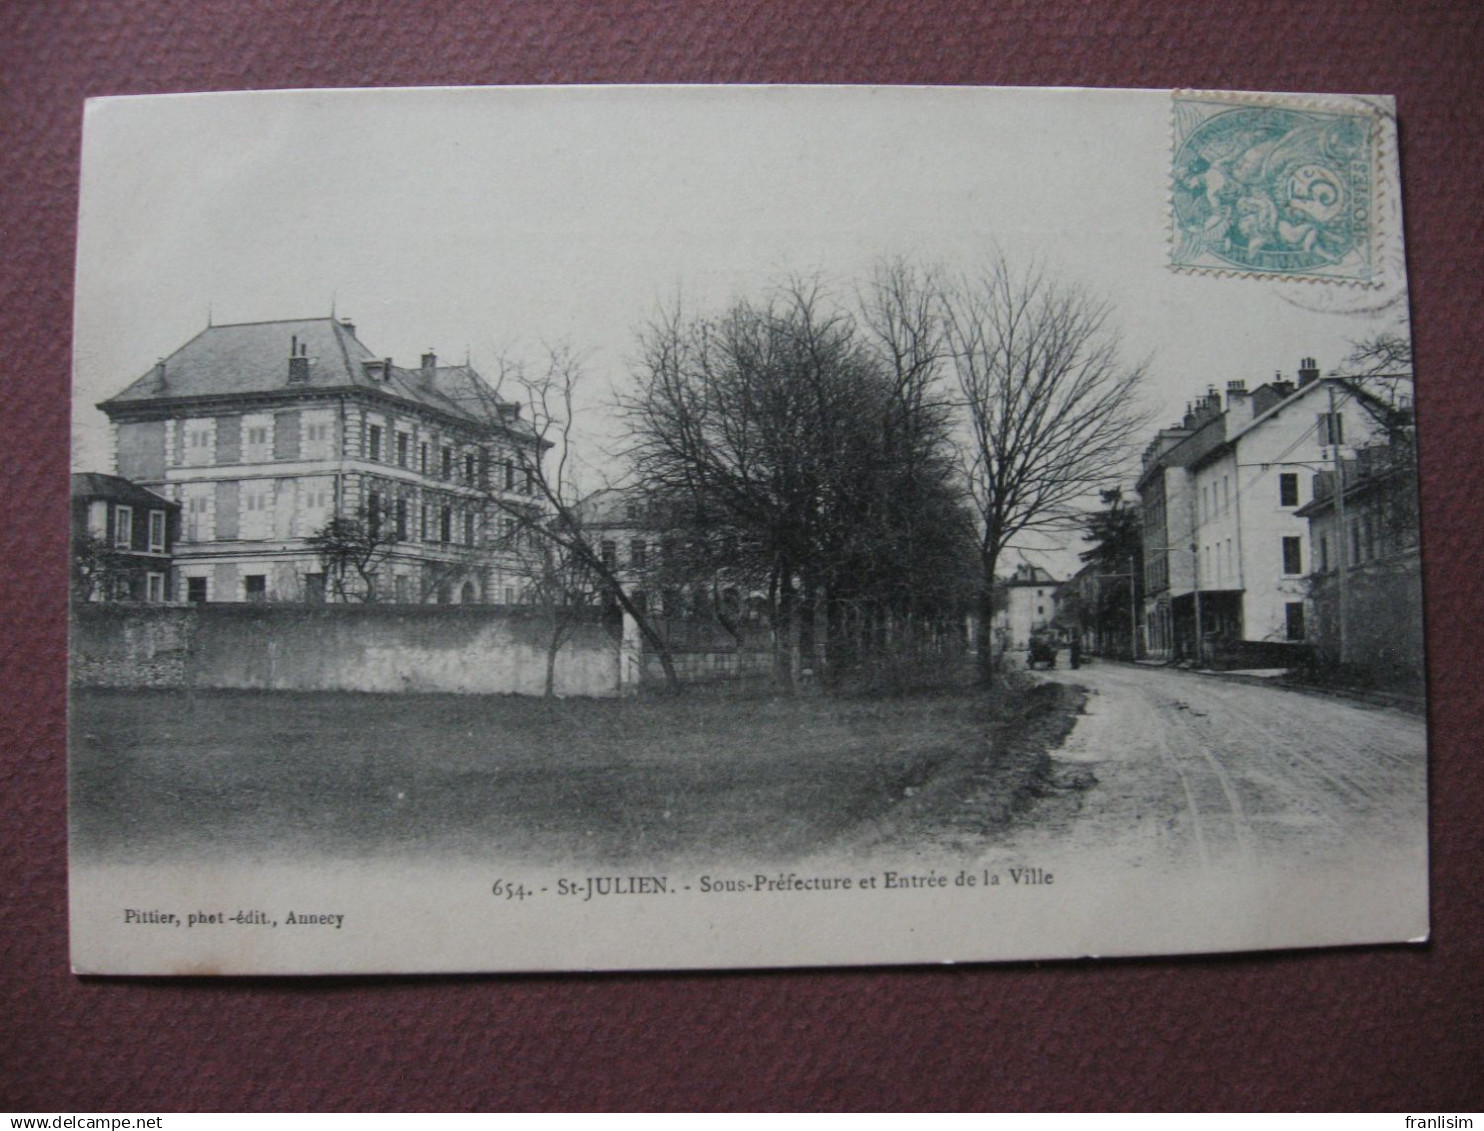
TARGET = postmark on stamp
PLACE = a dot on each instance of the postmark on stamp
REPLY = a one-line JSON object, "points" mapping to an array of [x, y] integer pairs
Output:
{"points": [[1267, 187]]}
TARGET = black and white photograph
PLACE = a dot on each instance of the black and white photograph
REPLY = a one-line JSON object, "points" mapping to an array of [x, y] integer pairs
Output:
{"points": [[526, 529]]}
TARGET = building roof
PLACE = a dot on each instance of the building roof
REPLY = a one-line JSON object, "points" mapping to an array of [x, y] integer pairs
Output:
{"points": [[1027, 574], [116, 489], [621, 507], [253, 358]]}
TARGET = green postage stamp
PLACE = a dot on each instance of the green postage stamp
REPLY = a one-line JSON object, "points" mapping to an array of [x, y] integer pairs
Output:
{"points": [[1274, 187]]}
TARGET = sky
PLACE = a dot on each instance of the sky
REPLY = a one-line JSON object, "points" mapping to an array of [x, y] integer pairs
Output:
{"points": [[494, 221]]}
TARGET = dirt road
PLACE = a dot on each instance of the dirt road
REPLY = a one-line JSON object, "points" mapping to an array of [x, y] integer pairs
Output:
{"points": [[1195, 770]]}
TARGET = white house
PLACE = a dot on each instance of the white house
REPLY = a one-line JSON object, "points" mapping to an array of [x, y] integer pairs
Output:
{"points": [[1226, 554], [1030, 604]]}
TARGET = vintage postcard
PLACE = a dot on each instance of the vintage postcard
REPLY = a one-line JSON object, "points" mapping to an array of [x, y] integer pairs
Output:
{"points": [[656, 527]]}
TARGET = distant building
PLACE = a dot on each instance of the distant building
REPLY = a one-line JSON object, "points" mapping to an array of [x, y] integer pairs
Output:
{"points": [[123, 538], [263, 432], [669, 567], [1029, 605], [1226, 553]]}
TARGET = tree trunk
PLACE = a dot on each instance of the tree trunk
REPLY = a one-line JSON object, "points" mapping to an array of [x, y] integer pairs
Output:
{"points": [[808, 653], [988, 660], [783, 632], [552, 648]]}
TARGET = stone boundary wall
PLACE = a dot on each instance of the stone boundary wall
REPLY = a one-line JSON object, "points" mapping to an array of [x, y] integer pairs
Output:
{"points": [[417, 648]]}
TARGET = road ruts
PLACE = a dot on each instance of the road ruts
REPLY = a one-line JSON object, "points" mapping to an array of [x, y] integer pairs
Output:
{"points": [[1219, 772]]}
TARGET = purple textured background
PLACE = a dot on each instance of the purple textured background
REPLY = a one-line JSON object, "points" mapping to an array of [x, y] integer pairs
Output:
{"points": [[1385, 1027]]}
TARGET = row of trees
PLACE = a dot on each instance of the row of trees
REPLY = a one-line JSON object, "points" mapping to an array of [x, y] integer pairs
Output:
{"points": [[870, 457]]}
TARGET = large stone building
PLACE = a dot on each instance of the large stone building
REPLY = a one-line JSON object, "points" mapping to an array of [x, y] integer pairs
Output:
{"points": [[1226, 553], [264, 432]]}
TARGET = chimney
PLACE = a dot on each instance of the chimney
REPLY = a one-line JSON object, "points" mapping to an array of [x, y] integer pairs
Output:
{"points": [[157, 376], [1284, 389], [349, 326], [1238, 402], [1308, 372], [430, 362], [298, 361]]}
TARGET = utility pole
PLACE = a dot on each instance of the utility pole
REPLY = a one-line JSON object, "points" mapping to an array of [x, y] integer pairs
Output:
{"points": [[1332, 426]]}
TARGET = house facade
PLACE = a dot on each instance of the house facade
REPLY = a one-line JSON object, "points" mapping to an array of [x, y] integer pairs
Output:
{"points": [[123, 539], [263, 433], [1365, 575], [1226, 553], [1030, 596]]}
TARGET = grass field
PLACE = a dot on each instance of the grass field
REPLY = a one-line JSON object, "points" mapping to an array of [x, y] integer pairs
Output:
{"points": [[157, 775]]}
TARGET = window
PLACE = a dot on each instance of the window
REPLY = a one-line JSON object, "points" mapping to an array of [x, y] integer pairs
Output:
{"points": [[197, 514], [315, 436], [373, 514], [509, 476], [1293, 555], [1324, 553], [638, 553], [1355, 543], [509, 595], [255, 586], [402, 587], [530, 480], [470, 464], [314, 588], [448, 463], [123, 528], [1330, 428], [196, 590], [197, 443], [469, 528], [427, 523], [445, 525], [404, 443], [157, 532], [511, 534], [422, 458], [401, 520], [609, 552], [155, 587], [1226, 498], [373, 442], [1288, 490], [1293, 615]]}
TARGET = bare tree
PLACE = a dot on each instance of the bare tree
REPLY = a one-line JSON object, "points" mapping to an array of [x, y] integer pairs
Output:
{"points": [[557, 583], [350, 548], [98, 570], [752, 422], [1050, 407], [545, 510], [1382, 366]]}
